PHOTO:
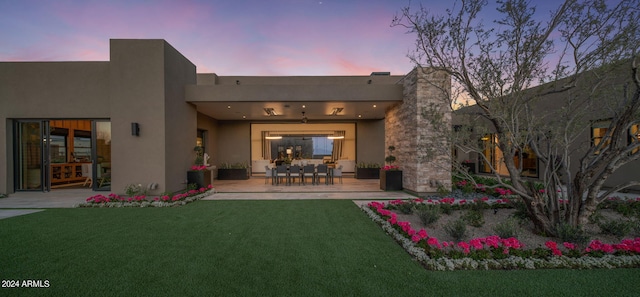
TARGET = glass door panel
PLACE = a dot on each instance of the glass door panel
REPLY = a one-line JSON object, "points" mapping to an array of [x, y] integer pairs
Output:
{"points": [[102, 156], [31, 156]]}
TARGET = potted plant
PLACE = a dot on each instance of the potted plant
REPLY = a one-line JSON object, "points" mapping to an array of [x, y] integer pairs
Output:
{"points": [[235, 171], [199, 174], [390, 175], [368, 170]]}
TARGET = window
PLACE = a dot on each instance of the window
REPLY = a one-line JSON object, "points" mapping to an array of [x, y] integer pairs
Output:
{"points": [[82, 146], [598, 131], [634, 136], [301, 147], [58, 145], [492, 152]]}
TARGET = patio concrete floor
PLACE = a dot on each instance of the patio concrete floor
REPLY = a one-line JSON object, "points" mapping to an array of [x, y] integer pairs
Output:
{"points": [[255, 188]]}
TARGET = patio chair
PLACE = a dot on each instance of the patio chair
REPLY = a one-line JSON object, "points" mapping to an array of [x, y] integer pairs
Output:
{"points": [[337, 172], [281, 173], [309, 171], [87, 173], [268, 174], [294, 172], [322, 171]]}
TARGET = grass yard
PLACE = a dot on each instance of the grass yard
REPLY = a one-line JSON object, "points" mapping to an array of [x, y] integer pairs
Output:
{"points": [[251, 248]]}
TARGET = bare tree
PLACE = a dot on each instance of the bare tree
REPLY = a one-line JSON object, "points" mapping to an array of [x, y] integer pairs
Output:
{"points": [[536, 81]]}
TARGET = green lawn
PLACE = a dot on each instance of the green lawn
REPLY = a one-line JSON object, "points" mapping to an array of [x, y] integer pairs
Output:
{"points": [[249, 248]]}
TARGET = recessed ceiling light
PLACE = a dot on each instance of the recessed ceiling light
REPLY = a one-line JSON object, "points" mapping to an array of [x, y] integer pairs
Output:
{"points": [[228, 106], [304, 106], [359, 115], [374, 106]]}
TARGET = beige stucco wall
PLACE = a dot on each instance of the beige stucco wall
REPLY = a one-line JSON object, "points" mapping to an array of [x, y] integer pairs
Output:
{"points": [[147, 79], [370, 141], [233, 142]]}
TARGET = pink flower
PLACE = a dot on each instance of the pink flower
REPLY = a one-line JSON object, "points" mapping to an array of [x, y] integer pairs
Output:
{"points": [[422, 233], [415, 238], [569, 246], [476, 243], [394, 219], [464, 246], [433, 242], [551, 245]]}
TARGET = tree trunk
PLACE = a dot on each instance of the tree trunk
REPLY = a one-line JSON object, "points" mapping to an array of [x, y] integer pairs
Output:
{"points": [[541, 222]]}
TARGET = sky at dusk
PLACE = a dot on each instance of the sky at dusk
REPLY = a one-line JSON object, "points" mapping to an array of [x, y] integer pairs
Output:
{"points": [[228, 37]]}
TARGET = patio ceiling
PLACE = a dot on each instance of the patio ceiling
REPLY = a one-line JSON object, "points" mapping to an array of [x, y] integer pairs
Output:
{"points": [[238, 98], [292, 111]]}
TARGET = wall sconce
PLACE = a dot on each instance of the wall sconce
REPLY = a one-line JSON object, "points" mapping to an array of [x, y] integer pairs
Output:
{"points": [[135, 129]]}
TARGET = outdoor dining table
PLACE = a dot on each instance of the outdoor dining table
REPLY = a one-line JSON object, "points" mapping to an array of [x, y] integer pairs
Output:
{"points": [[315, 179]]}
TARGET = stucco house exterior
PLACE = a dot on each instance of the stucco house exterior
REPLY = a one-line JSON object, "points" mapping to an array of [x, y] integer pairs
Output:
{"points": [[595, 107], [136, 118]]}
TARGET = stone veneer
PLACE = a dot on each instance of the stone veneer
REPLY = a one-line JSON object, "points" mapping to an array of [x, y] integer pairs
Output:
{"points": [[407, 129]]}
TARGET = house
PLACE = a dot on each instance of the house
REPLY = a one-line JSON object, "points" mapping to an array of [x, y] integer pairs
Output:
{"points": [[550, 105], [136, 119]]}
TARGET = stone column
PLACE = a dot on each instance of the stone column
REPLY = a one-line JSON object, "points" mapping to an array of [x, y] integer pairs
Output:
{"points": [[421, 149]]}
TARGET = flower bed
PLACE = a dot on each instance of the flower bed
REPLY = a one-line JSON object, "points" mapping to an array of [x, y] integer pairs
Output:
{"points": [[493, 252], [114, 200]]}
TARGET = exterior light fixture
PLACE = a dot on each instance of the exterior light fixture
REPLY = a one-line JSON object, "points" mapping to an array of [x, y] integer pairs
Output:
{"points": [[270, 111], [135, 129], [335, 137], [273, 137], [336, 110]]}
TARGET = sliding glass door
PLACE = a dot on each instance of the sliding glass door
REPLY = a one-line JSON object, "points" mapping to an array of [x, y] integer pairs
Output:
{"points": [[31, 159], [102, 155]]}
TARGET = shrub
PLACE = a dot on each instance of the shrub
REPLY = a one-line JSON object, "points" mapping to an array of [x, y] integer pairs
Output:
{"points": [[446, 208], [521, 212], [596, 218], [406, 207], [474, 218], [428, 214], [133, 190], [625, 209], [568, 233], [456, 229], [507, 228], [617, 228]]}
